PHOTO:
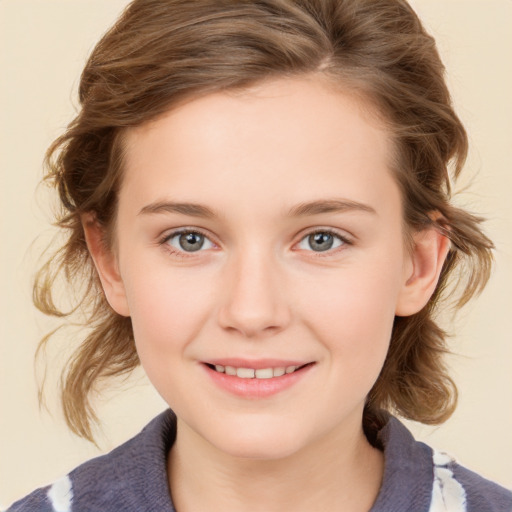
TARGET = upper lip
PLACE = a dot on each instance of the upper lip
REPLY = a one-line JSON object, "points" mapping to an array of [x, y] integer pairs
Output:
{"points": [[256, 364]]}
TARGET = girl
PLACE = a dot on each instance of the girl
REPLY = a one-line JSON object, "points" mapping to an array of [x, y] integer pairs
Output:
{"points": [[257, 195]]}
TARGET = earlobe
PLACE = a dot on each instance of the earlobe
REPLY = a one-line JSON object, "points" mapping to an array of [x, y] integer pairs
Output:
{"points": [[426, 262], [106, 265]]}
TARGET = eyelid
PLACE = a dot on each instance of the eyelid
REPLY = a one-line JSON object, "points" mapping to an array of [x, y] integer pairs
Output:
{"points": [[175, 232], [346, 240]]}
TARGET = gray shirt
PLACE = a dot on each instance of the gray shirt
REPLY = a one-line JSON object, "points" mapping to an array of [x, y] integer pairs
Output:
{"points": [[133, 477]]}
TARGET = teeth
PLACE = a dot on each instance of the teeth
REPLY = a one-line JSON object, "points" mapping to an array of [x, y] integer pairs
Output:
{"points": [[230, 370], [251, 373], [245, 373], [265, 373]]}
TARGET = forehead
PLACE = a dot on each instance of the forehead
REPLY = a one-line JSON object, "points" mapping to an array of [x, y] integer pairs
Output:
{"points": [[286, 140]]}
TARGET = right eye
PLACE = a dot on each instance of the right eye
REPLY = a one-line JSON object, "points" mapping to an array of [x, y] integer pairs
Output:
{"points": [[187, 241]]}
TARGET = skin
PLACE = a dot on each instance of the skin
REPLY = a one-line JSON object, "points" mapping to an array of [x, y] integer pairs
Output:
{"points": [[259, 289]]}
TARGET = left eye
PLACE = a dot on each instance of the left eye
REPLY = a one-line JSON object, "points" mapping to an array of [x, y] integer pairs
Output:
{"points": [[321, 241], [189, 241]]}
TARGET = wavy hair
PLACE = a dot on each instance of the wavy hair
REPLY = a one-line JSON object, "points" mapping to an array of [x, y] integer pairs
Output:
{"points": [[161, 52]]}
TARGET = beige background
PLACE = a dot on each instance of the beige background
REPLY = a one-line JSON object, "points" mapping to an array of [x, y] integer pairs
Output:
{"points": [[43, 44]]}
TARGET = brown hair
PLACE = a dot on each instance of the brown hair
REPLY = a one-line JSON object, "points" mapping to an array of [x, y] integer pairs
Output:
{"points": [[161, 52]]}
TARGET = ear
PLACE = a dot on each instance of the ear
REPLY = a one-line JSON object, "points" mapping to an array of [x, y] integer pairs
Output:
{"points": [[106, 265], [425, 263]]}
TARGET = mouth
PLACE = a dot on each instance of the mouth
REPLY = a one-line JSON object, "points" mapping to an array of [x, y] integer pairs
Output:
{"points": [[257, 373], [256, 379]]}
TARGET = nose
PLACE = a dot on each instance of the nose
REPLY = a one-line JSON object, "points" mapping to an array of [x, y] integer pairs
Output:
{"points": [[254, 303]]}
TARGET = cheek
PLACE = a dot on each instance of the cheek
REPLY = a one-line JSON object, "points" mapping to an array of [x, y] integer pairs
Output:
{"points": [[352, 313], [167, 310]]}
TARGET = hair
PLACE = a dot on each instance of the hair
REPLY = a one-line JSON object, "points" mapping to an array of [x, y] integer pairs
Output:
{"points": [[162, 52]]}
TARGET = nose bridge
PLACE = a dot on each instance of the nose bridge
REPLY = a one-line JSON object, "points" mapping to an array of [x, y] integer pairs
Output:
{"points": [[254, 301]]}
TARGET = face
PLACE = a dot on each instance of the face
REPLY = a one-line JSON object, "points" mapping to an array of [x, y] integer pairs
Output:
{"points": [[260, 233]]}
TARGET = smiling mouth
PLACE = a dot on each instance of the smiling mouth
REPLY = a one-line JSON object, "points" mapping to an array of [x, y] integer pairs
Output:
{"points": [[260, 373]]}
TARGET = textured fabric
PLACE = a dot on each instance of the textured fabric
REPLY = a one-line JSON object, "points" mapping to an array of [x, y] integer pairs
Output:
{"points": [[133, 478]]}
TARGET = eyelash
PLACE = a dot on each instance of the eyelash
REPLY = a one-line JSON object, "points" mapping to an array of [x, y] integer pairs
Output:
{"points": [[318, 254]]}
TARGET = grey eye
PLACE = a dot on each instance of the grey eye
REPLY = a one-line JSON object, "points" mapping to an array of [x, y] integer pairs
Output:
{"points": [[189, 241], [321, 241]]}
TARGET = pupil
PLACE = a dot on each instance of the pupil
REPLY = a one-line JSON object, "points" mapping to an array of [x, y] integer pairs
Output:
{"points": [[191, 241], [321, 241]]}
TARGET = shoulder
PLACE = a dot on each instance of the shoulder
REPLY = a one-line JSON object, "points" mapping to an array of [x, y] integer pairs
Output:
{"points": [[45, 499], [416, 477], [479, 493], [130, 476]]}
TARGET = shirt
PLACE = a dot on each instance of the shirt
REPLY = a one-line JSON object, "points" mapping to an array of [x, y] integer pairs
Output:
{"points": [[133, 477]]}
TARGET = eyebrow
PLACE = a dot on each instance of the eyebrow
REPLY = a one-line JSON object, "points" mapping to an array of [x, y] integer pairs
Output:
{"points": [[190, 209], [300, 210], [329, 206]]}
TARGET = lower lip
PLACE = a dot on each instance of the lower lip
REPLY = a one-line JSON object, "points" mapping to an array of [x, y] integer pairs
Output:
{"points": [[256, 388]]}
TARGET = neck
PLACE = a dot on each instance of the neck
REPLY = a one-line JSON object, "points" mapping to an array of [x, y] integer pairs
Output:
{"points": [[316, 478]]}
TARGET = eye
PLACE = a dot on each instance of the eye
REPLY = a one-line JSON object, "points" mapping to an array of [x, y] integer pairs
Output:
{"points": [[188, 241], [322, 241]]}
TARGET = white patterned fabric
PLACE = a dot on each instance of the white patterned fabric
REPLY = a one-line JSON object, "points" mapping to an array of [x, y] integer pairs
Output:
{"points": [[61, 495], [448, 495]]}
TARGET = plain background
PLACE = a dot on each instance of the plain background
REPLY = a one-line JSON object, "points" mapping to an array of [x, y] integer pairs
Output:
{"points": [[43, 46]]}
